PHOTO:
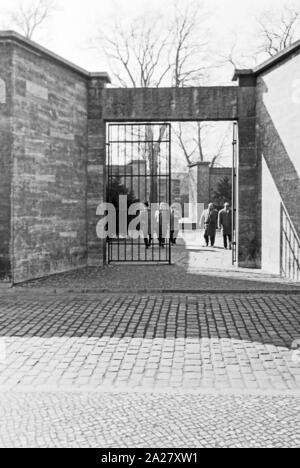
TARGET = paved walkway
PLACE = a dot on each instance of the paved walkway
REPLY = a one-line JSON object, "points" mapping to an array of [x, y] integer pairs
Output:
{"points": [[138, 420], [150, 342], [124, 365], [150, 370]]}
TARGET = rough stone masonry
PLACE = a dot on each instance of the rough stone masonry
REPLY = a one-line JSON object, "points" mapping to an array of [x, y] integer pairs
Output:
{"points": [[53, 118], [47, 139]]}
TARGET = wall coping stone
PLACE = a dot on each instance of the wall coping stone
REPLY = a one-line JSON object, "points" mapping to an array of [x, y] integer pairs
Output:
{"points": [[270, 63], [16, 38]]}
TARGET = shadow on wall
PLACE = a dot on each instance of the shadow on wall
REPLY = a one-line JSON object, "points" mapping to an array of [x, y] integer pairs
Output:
{"points": [[280, 165]]}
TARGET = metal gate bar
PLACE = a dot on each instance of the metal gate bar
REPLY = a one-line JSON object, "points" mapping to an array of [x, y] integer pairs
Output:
{"points": [[289, 247], [139, 167], [234, 192]]}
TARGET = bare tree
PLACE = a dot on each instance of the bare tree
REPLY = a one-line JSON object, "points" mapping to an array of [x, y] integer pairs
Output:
{"points": [[154, 51], [193, 142], [189, 46], [221, 148], [279, 30], [193, 152], [235, 57], [135, 53], [28, 18]]}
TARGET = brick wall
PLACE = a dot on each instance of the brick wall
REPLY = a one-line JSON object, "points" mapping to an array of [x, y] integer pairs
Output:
{"points": [[49, 173], [215, 176], [207, 178]]}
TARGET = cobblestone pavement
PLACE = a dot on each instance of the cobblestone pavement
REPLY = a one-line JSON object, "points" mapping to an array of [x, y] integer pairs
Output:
{"points": [[154, 342], [157, 279], [156, 361], [139, 420], [195, 268]]}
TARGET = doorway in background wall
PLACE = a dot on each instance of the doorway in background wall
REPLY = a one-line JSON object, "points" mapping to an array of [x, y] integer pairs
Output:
{"points": [[213, 179], [139, 166], [139, 184]]}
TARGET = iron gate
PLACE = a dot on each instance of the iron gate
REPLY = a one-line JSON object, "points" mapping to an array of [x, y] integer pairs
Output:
{"points": [[139, 183], [289, 248], [234, 192]]}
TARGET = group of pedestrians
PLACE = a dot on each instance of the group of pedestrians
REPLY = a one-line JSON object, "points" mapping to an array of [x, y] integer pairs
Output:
{"points": [[165, 221], [213, 220]]}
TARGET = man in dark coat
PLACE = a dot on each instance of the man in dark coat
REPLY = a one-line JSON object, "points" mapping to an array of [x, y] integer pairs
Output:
{"points": [[225, 223], [162, 219], [146, 225], [175, 218], [210, 220]]}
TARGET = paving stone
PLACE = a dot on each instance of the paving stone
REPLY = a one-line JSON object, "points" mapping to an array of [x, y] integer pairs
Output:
{"points": [[142, 420], [194, 269], [48, 340], [51, 345]]}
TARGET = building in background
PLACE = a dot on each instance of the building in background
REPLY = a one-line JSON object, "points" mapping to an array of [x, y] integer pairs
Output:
{"points": [[208, 184]]}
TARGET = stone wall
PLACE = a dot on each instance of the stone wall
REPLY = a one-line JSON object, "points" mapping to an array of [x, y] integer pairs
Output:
{"points": [[170, 104], [50, 164], [204, 181], [271, 223], [278, 143], [53, 119], [5, 159], [96, 183], [278, 112], [249, 189], [194, 212], [205, 103]]}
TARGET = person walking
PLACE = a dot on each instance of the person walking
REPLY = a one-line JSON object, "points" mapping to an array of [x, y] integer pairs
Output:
{"points": [[175, 218], [225, 223], [146, 225], [162, 218], [210, 220]]}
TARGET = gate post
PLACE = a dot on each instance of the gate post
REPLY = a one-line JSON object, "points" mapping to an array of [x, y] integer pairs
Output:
{"points": [[248, 178], [95, 165]]}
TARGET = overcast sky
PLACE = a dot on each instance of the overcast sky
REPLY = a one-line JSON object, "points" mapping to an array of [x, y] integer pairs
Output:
{"points": [[72, 26]]}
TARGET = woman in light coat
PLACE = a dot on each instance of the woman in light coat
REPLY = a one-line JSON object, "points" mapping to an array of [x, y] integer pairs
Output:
{"points": [[210, 220]]}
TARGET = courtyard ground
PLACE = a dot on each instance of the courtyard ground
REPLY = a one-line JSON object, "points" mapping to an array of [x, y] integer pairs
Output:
{"points": [[110, 420], [151, 370], [194, 269]]}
